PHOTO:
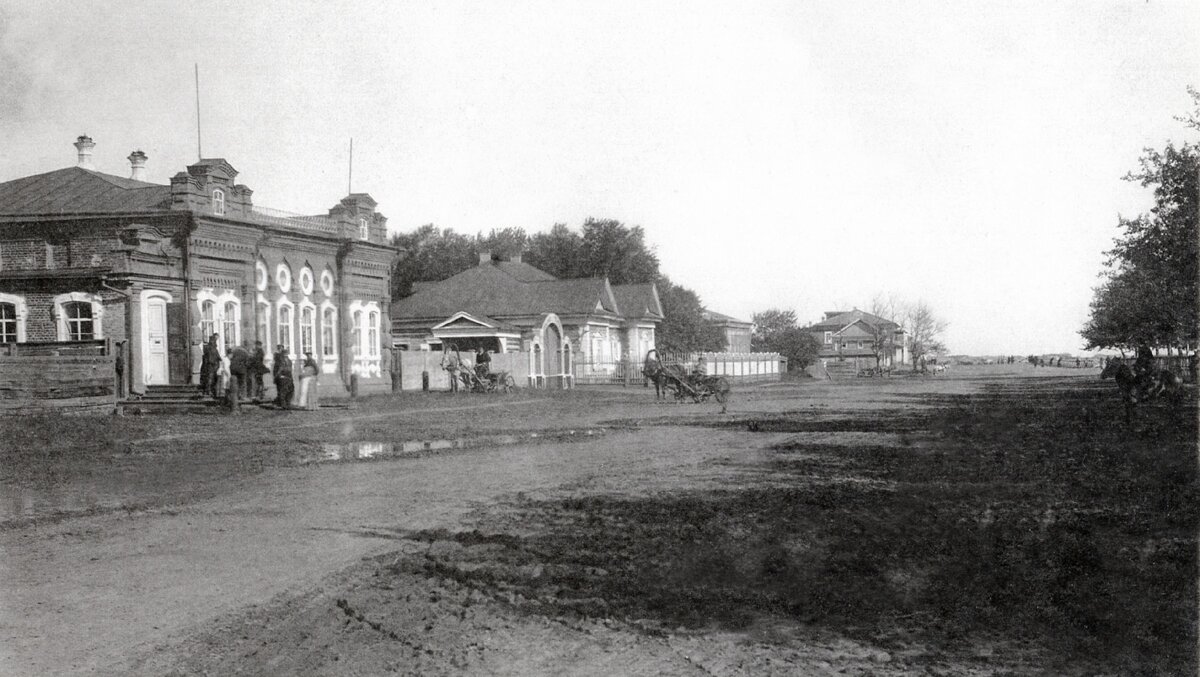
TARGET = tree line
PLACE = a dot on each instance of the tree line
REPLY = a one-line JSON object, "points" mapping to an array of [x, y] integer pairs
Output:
{"points": [[600, 248], [1149, 285]]}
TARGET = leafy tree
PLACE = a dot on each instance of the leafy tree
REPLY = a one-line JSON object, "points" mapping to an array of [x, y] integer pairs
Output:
{"points": [[684, 328], [506, 242], [775, 331], [1150, 286], [430, 254], [618, 252], [558, 252], [924, 329], [768, 324]]}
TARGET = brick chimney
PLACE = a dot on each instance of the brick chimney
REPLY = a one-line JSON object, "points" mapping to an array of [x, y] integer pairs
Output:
{"points": [[84, 145], [137, 164]]}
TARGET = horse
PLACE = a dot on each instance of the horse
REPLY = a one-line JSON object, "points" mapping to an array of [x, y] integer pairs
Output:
{"points": [[652, 369], [1135, 389]]}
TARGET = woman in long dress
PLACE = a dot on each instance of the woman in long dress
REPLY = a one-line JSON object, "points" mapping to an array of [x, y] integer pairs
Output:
{"points": [[309, 385]]}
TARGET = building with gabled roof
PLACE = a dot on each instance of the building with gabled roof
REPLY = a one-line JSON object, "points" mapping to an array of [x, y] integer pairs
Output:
{"points": [[511, 306], [737, 332], [87, 256]]}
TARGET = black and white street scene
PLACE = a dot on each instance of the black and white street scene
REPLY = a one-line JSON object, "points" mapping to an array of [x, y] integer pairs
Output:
{"points": [[616, 338]]}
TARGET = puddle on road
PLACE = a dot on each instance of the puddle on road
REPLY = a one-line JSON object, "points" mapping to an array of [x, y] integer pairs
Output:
{"points": [[330, 452]]}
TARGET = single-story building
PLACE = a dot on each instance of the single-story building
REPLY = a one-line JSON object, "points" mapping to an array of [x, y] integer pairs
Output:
{"points": [[568, 327], [737, 332]]}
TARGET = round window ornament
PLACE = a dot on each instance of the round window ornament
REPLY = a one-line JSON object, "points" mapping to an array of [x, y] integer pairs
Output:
{"points": [[261, 276], [283, 278], [306, 281], [327, 282]]}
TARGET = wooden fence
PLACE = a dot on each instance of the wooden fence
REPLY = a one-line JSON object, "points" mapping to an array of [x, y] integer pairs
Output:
{"points": [[65, 379]]}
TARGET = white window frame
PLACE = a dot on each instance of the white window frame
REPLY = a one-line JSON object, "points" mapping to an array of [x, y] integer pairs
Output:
{"points": [[262, 276], [263, 321], [364, 229], [307, 306], [329, 349], [327, 282], [306, 280], [373, 333], [60, 315], [828, 338], [21, 311], [235, 322], [356, 332], [218, 202], [283, 277], [219, 301], [288, 339]]}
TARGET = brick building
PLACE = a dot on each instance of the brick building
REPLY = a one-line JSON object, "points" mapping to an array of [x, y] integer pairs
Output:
{"points": [[87, 256]]}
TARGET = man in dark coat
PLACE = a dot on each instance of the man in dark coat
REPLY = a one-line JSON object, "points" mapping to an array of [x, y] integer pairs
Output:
{"points": [[210, 364], [282, 370], [258, 367], [239, 368]]}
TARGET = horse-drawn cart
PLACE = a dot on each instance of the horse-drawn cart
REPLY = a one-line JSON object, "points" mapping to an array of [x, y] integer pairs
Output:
{"points": [[475, 380], [699, 387], [488, 382]]}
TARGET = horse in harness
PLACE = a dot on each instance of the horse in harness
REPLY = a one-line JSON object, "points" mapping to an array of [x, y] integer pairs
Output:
{"points": [[652, 369], [1136, 388]]}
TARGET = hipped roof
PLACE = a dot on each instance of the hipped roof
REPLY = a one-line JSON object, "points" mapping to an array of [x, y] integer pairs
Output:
{"points": [[76, 190], [502, 289]]}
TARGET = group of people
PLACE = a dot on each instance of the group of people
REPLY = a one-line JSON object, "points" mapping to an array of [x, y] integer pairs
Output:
{"points": [[452, 363], [237, 373]]}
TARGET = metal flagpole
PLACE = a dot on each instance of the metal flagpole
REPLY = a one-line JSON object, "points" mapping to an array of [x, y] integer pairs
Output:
{"points": [[199, 152]]}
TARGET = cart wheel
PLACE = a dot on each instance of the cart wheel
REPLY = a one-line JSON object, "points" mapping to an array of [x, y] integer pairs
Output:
{"points": [[510, 383], [721, 392]]}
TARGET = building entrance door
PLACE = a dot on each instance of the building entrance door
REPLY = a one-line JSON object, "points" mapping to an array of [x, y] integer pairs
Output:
{"points": [[155, 365], [554, 379]]}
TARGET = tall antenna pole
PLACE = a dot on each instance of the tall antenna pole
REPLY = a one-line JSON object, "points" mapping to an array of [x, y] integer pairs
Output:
{"points": [[350, 178], [199, 152]]}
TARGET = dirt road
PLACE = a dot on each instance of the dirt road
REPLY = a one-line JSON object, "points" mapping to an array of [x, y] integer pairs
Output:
{"points": [[971, 525], [87, 594]]}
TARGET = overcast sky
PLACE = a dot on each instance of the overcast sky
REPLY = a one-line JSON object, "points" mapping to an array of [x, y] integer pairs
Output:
{"points": [[799, 155]]}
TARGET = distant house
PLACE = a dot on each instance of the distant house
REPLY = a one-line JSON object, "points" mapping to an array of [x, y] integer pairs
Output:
{"points": [[736, 332], [567, 326], [850, 336]]}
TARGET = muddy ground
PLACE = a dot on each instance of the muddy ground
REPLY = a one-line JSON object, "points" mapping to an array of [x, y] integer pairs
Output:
{"points": [[991, 523]]}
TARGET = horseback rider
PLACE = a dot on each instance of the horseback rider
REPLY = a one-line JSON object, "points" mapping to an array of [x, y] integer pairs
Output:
{"points": [[1143, 366]]}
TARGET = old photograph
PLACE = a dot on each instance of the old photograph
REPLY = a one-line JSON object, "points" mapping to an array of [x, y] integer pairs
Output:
{"points": [[536, 338]]}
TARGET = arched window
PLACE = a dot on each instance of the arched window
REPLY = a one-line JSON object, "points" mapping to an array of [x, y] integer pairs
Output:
{"points": [[364, 230], [356, 332], [218, 202], [328, 331], [307, 321], [285, 328], [12, 318], [8, 323], [78, 316], [230, 323], [208, 319], [373, 335], [263, 331]]}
